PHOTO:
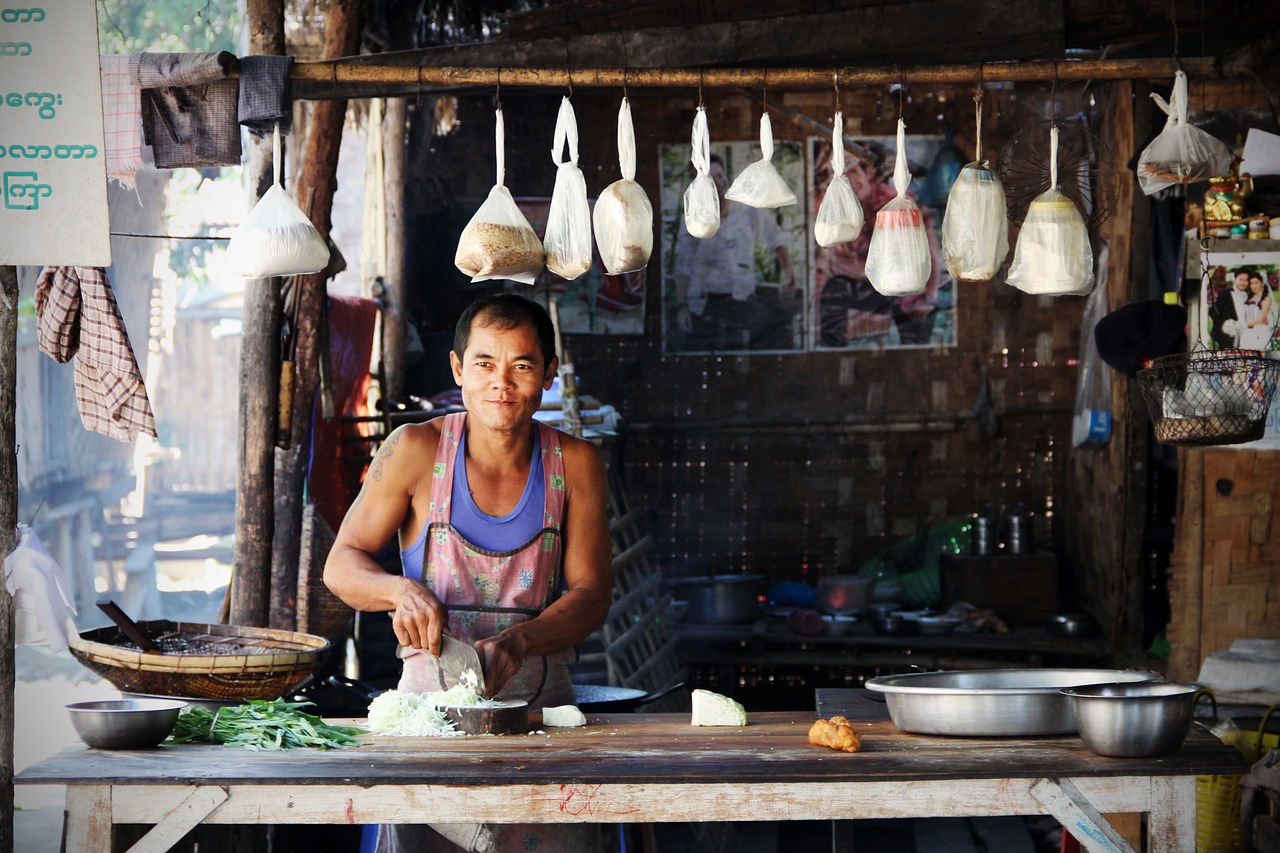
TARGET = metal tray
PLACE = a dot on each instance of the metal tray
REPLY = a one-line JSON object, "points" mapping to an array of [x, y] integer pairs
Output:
{"points": [[991, 702]]}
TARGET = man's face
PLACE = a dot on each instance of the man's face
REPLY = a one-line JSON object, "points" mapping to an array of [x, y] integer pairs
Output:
{"points": [[502, 374], [1242, 281]]}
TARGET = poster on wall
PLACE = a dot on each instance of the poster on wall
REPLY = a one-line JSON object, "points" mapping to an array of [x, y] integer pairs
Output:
{"points": [[847, 311], [744, 287], [594, 303], [1238, 310]]}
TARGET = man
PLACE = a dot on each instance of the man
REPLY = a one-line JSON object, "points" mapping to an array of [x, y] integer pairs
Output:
{"points": [[495, 513], [717, 306], [1225, 312]]}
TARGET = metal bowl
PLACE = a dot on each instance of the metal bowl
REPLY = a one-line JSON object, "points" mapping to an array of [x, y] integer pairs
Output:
{"points": [[1134, 720], [991, 702], [124, 723], [1072, 625], [895, 625]]}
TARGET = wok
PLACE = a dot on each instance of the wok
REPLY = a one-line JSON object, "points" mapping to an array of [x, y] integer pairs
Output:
{"points": [[602, 699]]}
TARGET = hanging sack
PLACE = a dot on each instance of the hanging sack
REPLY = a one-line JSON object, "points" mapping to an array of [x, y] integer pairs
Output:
{"points": [[898, 262], [840, 216], [623, 216], [701, 200], [1182, 153], [498, 242], [760, 185], [1053, 256], [568, 237], [276, 238], [975, 227]]}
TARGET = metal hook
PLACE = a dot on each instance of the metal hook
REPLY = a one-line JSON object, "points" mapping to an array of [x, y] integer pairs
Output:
{"points": [[836, 81], [569, 73], [902, 85], [701, 79], [497, 93], [624, 81], [419, 87]]}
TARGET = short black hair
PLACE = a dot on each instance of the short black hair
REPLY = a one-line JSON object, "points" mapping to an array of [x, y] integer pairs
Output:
{"points": [[507, 310]]}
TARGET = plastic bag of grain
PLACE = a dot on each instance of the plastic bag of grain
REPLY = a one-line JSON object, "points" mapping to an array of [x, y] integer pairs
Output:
{"points": [[760, 185], [701, 199], [568, 238], [898, 261], [623, 216], [840, 217]]}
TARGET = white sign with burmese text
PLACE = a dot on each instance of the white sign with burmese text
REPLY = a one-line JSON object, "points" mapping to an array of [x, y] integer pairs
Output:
{"points": [[53, 172]]}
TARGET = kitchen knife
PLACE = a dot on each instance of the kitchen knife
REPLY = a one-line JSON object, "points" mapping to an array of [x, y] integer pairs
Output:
{"points": [[456, 659]]}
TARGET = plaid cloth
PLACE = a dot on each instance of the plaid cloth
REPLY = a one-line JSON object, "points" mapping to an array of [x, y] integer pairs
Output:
{"points": [[121, 118], [189, 109], [78, 316], [266, 98]]}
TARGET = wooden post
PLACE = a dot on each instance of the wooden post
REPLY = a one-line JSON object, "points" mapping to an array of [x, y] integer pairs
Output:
{"points": [[8, 526], [316, 185], [394, 327], [259, 381]]}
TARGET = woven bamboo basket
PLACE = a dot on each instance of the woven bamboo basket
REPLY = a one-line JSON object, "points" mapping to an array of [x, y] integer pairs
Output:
{"points": [[227, 662]]}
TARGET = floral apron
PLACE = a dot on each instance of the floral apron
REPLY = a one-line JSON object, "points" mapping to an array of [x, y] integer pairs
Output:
{"points": [[487, 592]]}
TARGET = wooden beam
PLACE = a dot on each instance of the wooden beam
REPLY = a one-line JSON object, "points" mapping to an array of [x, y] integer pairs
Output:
{"points": [[316, 185], [396, 299], [413, 71], [8, 527], [249, 594]]}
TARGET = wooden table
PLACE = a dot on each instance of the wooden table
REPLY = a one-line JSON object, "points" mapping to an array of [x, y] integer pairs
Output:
{"points": [[629, 768]]}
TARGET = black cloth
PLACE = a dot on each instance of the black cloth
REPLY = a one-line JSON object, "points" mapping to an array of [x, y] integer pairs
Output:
{"points": [[266, 96], [1139, 331], [189, 109]]}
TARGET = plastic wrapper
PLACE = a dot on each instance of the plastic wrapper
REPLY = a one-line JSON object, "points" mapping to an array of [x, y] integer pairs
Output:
{"points": [[840, 217], [498, 242], [43, 602], [975, 227], [1053, 256], [701, 200], [623, 216], [1182, 153], [760, 185], [568, 238], [898, 261], [1091, 425], [276, 238]]}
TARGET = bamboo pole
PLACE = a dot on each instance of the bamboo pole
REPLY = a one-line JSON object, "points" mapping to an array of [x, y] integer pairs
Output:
{"points": [[8, 528], [352, 70]]}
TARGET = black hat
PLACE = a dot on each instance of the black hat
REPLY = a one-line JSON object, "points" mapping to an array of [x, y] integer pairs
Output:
{"points": [[1139, 331]]}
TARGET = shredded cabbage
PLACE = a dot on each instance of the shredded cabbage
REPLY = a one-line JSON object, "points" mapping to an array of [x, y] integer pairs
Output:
{"points": [[419, 714]]}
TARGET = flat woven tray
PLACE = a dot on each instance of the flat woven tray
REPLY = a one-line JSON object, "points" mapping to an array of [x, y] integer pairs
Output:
{"points": [[204, 661]]}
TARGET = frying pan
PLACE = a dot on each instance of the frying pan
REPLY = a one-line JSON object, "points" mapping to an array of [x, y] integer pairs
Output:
{"points": [[602, 699]]}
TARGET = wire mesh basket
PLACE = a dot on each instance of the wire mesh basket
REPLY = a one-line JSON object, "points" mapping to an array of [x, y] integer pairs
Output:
{"points": [[1209, 398], [227, 662]]}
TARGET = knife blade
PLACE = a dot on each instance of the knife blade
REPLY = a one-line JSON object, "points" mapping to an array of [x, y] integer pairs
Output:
{"points": [[458, 659]]}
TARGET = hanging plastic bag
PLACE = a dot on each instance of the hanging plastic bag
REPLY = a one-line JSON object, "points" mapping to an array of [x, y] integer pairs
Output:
{"points": [[760, 185], [1091, 426], [276, 238], [975, 227], [701, 200], [623, 216], [898, 261], [840, 217], [498, 242], [43, 603], [568, 238], [1182, 153], [1053, 256]]}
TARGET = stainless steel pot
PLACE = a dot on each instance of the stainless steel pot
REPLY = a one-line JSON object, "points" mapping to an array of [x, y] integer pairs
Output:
{"points": [[991, 703], [1134, 720], [719, 599]]}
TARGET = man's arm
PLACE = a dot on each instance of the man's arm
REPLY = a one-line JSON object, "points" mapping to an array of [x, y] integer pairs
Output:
{"points": [[384, 503], [588, 558]]}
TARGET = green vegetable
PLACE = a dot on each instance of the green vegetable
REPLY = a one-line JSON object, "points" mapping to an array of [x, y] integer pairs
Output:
{"points": [[261, 724]]}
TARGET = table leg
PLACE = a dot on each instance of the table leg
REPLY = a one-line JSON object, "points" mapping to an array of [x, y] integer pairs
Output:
{"points": [[1173, 815], [182, 819], [88, 819]]}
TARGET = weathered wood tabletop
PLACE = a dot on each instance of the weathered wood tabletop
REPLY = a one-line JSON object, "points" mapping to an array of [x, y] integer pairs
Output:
{"points": [[628, 768]]}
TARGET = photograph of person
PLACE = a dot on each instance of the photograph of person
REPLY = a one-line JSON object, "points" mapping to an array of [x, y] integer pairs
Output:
{"points": [[742, 288], [1239, 309], [848, 312]]}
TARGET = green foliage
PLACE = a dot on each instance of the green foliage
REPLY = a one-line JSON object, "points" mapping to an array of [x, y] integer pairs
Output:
{"points": [[166, 26], [259, 724]]}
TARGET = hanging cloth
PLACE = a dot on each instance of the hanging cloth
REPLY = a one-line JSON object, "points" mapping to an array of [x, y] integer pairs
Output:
{"points": [[121, 118], [189, 109], [77, 316], [266, 96]]}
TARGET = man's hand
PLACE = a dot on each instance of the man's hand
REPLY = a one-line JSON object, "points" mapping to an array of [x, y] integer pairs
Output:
{"points": [[419, 618], [502, 656]]}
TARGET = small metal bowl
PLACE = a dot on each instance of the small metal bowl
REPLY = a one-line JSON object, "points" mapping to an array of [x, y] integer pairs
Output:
{"points": [[1136, 720], [124, 723], [895, 625]]}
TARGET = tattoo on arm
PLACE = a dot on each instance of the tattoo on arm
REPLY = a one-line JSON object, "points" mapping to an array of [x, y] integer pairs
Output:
{"points": [[355, 503], [385, 452]]}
